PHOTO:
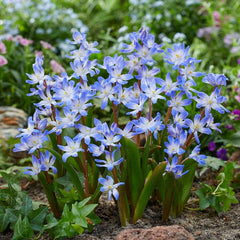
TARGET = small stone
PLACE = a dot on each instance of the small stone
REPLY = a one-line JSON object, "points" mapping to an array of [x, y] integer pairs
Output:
{"points": [[174, 232], [196, 233], [11, 119]]}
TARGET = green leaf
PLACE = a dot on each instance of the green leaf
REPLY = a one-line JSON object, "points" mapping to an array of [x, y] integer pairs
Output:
{"points": [[203, 200], [89, 117], [183, 187], [123, 205], [145, 158], [13, 215], [36, 218], [83, 202], [65, 181], [81, 221], [212, 162], [22, 229], [4, 219], [26, 206], [134, 173], [235, 139], [68, 197], [72, 173], [169, 182], [86, 210], [148, 188], [78, 228]]}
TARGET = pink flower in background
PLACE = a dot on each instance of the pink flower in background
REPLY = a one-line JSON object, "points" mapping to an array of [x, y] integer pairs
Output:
{"points": [[25, 42], [237, 98], [217, 16], [222, 154], [211, 146], [56, 67], [38, 53], [3, 60], [236, 113], [47, 45], [206, 32], [2, 48], [18, 38], [9, 37], [229, 127]]}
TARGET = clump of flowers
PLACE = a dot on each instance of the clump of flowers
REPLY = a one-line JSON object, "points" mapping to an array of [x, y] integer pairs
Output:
{"points": [[110, 155]]}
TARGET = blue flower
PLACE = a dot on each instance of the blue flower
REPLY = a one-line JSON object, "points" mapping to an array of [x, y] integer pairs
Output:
{"points": [[215, 79], [33, 141], [108, 185], [179, 119], [106, 93], [177, 56], [47, 163], [29, 130], [38, 76], [115, 72], [35, 169], [111, 137], [136, 105], [198, 126], [200, 158], [110, 162], [188, 71], [96, 150], [143, 125], [177, 103], [173, 146], [78, 38], [211, 102], [67, 92], [175, 168], [130, 48], [168, 85], [127, 131], [212, 125], [72, 148], [47, 98], [86, 133]]}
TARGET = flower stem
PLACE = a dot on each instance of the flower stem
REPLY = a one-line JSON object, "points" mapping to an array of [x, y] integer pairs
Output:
{"points": [[45, 181], [115, 113]]}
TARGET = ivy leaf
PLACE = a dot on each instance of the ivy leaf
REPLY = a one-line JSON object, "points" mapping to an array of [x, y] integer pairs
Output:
{"points": [[235, 139], [203, 200], [36, 218], [26, 206], [13, 215], [212, 162], [22, 229], [4, 219]]}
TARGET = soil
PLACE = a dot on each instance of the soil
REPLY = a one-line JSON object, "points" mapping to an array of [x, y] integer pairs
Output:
{"points": [[203, 225]]}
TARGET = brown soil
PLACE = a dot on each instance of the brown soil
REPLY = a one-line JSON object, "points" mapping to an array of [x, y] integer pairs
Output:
{"points": [[203, 225]]}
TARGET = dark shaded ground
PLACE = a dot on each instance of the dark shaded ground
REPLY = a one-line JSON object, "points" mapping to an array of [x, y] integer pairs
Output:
{"points": [[203, 225]]}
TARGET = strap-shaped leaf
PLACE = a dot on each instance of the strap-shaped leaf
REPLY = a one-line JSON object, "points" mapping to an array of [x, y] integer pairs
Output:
{"points": [[170, 183], [134, 171], [147, 190], [183, 187], [72, 173], [145, 158], [123, 206], [89, 117]]}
